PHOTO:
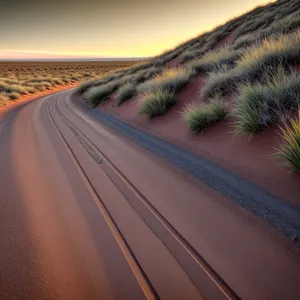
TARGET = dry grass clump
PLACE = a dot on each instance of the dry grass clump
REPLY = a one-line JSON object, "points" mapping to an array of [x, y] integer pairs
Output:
{"points": [[144, 75], [286, 25], [39, 86], [213, 60], [19, 78], [200, 117], [245, 41], [13, 96], [222, 82], [99, 94], [156, 102], [125, 92], [289, 151], [84, 86], [159, 93], [192, 54], [255, 23], [4, 87], [256, 64], [269, 54], [135, 74], [170, 79], [258, 106]]}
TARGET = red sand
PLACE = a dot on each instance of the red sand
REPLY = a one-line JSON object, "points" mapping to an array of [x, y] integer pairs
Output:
{"points": [[12, 104], [248, 159], [76, 240]]}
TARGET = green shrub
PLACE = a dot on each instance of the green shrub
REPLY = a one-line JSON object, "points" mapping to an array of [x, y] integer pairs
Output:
{"points": [[256, 65], [99, 94], [258, 106], [84, 86], [125, 92], [222, 82], [156, 102], [251, 115], [267, 56], [199, 118], [289, 151], [218, 108]]}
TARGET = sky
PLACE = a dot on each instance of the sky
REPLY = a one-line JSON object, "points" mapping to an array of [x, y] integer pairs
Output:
{"points": [[114, 28]]}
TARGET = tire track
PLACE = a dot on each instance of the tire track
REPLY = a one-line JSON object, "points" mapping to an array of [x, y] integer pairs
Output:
{"points": [[179, 247], [137, 270]]}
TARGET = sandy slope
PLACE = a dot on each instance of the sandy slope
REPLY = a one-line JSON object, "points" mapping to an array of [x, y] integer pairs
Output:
{"points": [[249, 159]]}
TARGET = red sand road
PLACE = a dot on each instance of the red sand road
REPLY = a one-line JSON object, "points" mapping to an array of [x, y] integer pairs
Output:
{"points": [[78, 220]]}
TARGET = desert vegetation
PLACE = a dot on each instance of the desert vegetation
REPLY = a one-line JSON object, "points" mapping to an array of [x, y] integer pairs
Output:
{"points": [[23, 78], [214, 60], [260, 105], [250, 65], [125, 92], [156, 101], [289, 151], [200, 117]]}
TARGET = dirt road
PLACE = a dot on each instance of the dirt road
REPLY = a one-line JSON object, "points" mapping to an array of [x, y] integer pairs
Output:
{"points": [[92, 209]]}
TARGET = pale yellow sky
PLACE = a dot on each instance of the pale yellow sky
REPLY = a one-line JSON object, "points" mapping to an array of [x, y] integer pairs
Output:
{"points": [[116, 28]]}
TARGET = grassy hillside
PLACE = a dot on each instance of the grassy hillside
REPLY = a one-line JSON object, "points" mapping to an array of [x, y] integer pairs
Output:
{"points": [[250, 65]]}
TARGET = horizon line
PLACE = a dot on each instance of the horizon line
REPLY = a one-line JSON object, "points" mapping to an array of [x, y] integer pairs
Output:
{"points": [[76, 59]]}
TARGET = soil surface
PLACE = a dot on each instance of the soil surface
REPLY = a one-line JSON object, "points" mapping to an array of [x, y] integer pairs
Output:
{"points": [[87, 213]]}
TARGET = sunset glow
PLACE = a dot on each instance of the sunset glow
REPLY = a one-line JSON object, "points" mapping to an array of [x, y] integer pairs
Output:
{"points": [[36, 29]]}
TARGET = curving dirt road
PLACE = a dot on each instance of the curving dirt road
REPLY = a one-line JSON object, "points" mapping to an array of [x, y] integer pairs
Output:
{"points": [[88, 213]]}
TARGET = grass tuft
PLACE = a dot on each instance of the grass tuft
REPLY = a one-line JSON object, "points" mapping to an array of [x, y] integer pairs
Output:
{"points": [[289, 151], [156, 102], [170, 79], [258, 106], [268, 55], [99, 94], [219, 109], [244, 41], [125, 92], [222, 82], [212, 61], [13, 96], [199, 118], [256, 64]]}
